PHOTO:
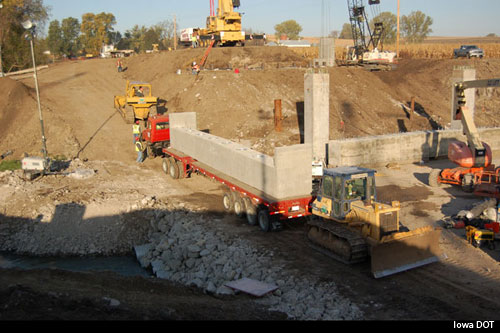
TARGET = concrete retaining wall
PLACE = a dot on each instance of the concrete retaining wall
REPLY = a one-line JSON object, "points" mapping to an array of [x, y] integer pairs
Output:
{"points": [[401, 148], [287, 174]]}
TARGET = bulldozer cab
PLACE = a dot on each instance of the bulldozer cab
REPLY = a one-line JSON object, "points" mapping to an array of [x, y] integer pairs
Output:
{"points": [[138, 89], [341, 187]]}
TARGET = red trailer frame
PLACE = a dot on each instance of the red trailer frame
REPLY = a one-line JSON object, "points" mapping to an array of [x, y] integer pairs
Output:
{"points": [[240, 198]]}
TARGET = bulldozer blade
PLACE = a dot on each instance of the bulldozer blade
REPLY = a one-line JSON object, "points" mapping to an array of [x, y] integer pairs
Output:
{"points": [[406, 251]]}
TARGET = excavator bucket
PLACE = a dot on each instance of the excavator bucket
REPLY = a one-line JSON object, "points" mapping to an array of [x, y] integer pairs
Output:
{"points": [[406, 250]]}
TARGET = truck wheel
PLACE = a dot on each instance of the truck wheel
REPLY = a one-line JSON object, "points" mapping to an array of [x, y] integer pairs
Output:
{"points": [[180, 167], [174, 169], [264, 219], [239, 207], [166, 165], [227, 201], [251, 212]]}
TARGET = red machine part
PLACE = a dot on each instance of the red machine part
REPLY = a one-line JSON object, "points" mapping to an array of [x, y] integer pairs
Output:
{"points": [[460, 154]]}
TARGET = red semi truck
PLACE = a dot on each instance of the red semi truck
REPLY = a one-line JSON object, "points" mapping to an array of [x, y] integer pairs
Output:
{"points": [[242, 199]]}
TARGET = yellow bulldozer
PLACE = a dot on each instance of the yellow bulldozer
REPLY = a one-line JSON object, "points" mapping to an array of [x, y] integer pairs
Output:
{"points": [[137, 103], [348, 224]]}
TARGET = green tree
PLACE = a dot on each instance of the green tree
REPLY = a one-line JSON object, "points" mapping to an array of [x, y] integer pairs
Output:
{"points": [[54, 38], [346, 32], [289, 28], [390, 26], [70, 28], [16, 52], [416, 27], [95, 31]]}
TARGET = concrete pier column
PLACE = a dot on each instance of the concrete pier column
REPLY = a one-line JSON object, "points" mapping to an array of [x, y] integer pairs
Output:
{"points": [[463, 73], [317, 113]]}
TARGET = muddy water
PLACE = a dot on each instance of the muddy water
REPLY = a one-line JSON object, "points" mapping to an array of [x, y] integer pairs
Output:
{"points": [[126, 266]]}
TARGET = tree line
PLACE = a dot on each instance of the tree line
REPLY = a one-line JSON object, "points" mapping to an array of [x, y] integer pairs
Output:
{"points": [[72, 37], [414, 28]]}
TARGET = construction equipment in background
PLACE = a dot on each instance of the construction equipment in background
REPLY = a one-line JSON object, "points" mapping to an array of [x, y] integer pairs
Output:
{"points": [[348, 224], [365, 53], [224, 26], [475, 171], [478, 237], [136, 105]]}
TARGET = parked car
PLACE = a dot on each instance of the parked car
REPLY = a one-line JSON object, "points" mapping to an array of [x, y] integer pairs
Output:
{"points": [[468, 51]]}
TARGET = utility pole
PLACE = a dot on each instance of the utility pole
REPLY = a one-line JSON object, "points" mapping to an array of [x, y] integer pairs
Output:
{"points": [[1, 39], [175, 33], [397, 37]]}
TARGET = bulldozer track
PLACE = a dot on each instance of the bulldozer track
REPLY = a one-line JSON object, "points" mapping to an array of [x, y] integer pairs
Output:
{"points": [[357, 245]]}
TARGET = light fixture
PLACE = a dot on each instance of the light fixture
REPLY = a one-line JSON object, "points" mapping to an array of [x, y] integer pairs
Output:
{"points": [[27, 24]]}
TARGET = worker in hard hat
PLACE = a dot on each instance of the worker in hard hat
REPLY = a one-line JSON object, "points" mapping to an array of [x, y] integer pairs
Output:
{"points": [[195, 69]]}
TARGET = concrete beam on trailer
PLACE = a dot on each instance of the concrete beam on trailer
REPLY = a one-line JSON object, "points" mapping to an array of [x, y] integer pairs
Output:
{"points": [[287, 174]]}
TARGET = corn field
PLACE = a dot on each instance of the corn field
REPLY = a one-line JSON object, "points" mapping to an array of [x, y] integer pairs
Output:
{"points": [[411, 51]]}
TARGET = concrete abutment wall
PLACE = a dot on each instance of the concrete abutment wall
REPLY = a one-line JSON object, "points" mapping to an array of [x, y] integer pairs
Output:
{"points": [[401, 148]]}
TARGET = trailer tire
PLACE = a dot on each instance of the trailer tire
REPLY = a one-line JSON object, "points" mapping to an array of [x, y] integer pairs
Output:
{"points": [[251, 212], [166, 165], [180, 167], [264, 219], [227, 201], [173, 169], [239, 207]]}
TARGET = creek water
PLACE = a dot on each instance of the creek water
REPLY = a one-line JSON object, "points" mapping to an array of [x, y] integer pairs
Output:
{"points": [[123, 265]]}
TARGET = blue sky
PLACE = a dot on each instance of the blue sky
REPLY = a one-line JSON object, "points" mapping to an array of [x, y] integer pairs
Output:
{"points": [[451, 17]]}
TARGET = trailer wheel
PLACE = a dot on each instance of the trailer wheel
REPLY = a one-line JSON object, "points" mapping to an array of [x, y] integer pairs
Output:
{"points": [[239, 207], [174, 169], [180, 167], [166, 165], [227, 201], [264, 219], [251, 212]]}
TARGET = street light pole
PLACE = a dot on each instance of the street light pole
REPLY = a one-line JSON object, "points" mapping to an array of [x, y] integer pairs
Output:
{"points": [[1, 62], [31, 30]]}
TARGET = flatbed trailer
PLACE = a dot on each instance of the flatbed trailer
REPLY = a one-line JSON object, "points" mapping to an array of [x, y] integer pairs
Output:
{"points": [[243, 200]]}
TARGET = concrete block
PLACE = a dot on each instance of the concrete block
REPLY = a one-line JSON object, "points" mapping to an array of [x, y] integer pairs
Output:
{"points": [[288, 174], [184, 120]]}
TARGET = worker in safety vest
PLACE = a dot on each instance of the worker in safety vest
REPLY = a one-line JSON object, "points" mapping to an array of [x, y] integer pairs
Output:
{"points": [[195, 69], [139, 150], [136, 130], [119, 65]]}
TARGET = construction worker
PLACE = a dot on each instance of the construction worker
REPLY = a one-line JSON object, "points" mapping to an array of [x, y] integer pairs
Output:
{"points": [[138, 149], [136, 130], [195, 69], [140, 92], [119, 65], [194, 41]]}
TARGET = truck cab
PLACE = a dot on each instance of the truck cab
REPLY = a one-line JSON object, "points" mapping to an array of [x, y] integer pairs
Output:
{"points": [[156, 136]]}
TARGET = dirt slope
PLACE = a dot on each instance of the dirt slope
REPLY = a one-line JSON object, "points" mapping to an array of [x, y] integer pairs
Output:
{"points": [[77, 99]]}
